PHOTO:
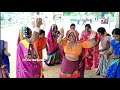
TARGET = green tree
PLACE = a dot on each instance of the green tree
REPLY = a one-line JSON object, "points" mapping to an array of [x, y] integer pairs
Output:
{"points": [[70, 13], [96, 14]]}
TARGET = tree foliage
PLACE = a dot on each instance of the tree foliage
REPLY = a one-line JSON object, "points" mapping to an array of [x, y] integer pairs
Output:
{"points": [[86, 13]]}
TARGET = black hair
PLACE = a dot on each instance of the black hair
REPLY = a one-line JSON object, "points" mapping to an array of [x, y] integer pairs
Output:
{"points": [[72, 25], [70, 34], [54, 26], [88, 25], [58, 32], [116, 31], [26, 31], [42, 32], [102, 31]]}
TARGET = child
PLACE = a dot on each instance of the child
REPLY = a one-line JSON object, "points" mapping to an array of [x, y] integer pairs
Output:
{"points": [[114, 70], [40, 44]]}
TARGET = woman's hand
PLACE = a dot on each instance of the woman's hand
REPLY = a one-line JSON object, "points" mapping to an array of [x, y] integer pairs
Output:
{"points": [[92, 35], [8, 54], [4, 67], [114, 57], [38, 22], [38, 56], [29, 57], [106, 56], [62, 31], [111, 57]]}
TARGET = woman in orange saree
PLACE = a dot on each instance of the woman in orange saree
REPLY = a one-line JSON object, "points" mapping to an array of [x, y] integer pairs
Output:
{"points": [[72, 64]]}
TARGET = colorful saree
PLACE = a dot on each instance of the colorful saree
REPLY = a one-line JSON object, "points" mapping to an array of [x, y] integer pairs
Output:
{"points": [[21, 35], [114, 70], [104, 64], [53, 50], [70, 69], [25, 68], [73, 69], [40, 44], [4, 59], [92, 59]]}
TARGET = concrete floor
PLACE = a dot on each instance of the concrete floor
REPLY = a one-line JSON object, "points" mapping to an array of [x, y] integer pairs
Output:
{"points": [[49, 72]]}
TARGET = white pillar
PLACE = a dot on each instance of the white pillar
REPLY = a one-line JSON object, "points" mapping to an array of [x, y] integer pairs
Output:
{"points": [[117, 19]]}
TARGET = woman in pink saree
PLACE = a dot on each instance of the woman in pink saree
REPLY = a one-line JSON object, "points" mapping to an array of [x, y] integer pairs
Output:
{"points": [[91, 60], [27, 65], [53, 48]]}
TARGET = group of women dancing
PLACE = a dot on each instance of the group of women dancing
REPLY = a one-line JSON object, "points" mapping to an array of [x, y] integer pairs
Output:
{"points": [[74, 54]]}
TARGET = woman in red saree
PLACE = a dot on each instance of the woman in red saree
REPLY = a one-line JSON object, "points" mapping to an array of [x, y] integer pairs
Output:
{"points": [[72, 66], [53, 48], [92, 59], [27, 65]]}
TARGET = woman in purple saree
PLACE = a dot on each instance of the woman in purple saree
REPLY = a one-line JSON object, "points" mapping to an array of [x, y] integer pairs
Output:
{"points": [[26, 66]]}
